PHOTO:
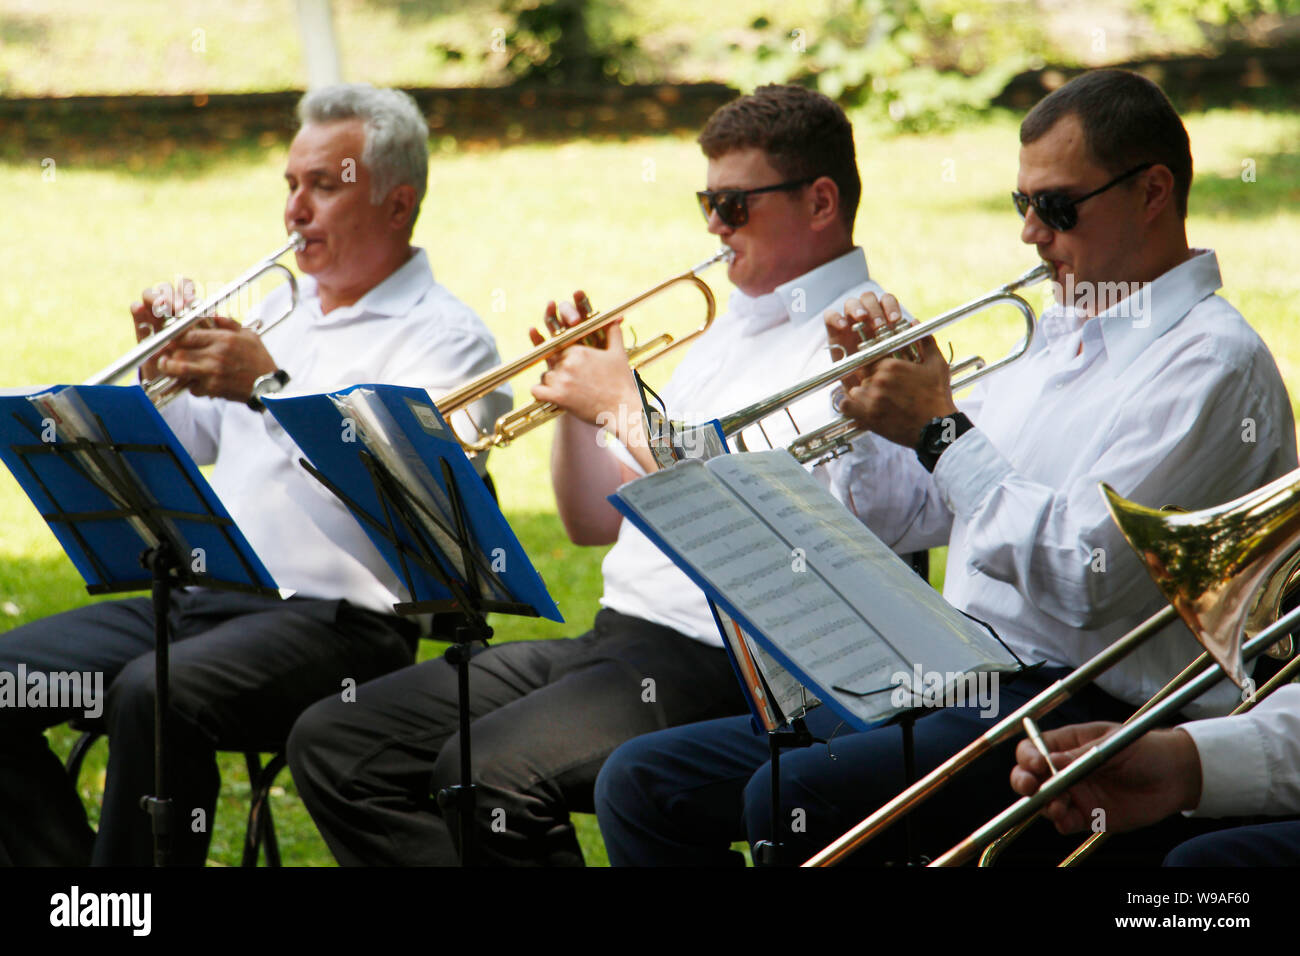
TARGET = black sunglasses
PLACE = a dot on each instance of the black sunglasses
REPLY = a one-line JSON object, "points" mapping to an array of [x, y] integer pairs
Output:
{"points": [[1057, 210], [732, 205]]}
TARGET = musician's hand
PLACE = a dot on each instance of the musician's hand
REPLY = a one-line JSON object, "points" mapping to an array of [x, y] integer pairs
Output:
{"points": [[565, 316], [874, 314], [897, 398], [595, 385], [157, 304], [221, 362], [1157, 775]]}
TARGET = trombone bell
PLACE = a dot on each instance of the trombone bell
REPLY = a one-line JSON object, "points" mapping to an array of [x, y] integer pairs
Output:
{"points": [[1224, 569]]}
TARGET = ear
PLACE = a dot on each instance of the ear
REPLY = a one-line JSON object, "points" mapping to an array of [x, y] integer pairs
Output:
{"points": [[1157, 185], [824, 197], [401, 206]]}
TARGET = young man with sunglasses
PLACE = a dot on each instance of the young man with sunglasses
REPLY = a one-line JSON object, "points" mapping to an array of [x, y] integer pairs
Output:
{"points": [[1139, 376], [783, 189]]}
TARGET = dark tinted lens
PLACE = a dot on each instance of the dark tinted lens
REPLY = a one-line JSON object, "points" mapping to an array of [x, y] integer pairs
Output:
{"points": [[1057, 211], [732, 208], [706, 204], [1022, 203]]}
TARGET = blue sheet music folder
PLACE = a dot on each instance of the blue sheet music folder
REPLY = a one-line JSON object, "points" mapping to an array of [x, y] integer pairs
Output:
{"points": [[106, 549], [321, 429]]}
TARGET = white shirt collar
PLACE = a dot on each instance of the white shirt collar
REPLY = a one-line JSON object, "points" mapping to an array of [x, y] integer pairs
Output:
{"points": [[394, 296], [1128, 327], [807, 295], [1131, 325]]}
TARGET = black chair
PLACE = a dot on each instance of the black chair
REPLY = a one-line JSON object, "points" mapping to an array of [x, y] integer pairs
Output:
{"points": [[260, 832]]}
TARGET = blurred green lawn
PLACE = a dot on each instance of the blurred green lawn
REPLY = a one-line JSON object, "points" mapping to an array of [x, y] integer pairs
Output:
{"points": [[509, 229]]}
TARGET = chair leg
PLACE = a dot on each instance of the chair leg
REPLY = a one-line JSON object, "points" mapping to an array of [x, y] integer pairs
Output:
{"points": [[261, 825], [77, 756]]}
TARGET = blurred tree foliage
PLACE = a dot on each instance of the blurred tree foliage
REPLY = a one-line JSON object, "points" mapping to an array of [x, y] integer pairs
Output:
{"points": [[912, 65], [1217, 22], [567, 41], [917, 64]]}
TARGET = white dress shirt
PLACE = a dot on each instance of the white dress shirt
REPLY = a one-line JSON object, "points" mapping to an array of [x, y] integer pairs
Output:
{"points": [[408, 330], [1250, 764], [761, 344], [1181, 404]]}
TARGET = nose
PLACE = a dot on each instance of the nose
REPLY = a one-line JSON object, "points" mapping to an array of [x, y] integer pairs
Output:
{"points": [[1034, 232], [717, 226], [297, 210]]}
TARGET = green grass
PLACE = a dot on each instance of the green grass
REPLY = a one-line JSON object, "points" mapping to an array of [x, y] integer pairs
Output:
{"points": [[509, 229]]}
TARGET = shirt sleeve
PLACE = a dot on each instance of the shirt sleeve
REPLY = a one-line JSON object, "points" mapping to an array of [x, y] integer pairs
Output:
{"points": [[197, 423], [1250, 764], [1185, 445]]}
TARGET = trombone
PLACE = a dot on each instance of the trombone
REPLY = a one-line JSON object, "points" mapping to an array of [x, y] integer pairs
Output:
{"points": [[513, 424], [163, 389], [834, 439], [1237, 555]]}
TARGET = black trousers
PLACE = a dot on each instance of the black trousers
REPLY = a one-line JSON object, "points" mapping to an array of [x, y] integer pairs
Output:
{"points": [[545, 714], [242, 669]]}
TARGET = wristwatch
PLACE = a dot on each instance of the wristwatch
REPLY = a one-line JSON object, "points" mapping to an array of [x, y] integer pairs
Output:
{"points": [[267, 384], [938, 434]]}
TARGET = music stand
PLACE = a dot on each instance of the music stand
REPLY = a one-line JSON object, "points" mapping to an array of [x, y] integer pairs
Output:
{"points": [[446, 539], [105, 496]]}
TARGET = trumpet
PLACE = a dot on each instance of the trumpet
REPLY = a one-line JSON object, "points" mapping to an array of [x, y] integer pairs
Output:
{"points": [[163, 389], [834, 439], [513, 424], [1240, 555]]}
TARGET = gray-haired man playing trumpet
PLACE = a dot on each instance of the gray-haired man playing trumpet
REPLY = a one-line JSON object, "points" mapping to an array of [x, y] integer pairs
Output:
{"points": [[243, 667]]}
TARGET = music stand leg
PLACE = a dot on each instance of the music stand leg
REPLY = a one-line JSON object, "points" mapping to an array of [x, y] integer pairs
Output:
{"points": [[162, 563], [768, 852], [460, 798], [909, 777]]}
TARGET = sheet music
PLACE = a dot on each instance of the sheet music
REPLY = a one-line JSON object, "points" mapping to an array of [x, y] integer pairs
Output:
{"points": [[73, 422], [741, 557], [805, 574], [847, 555], [778, 694], [382, 437]]}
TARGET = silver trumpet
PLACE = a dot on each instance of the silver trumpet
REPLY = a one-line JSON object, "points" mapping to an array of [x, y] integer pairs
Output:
{"points": [[835, 438], [163, 389]]}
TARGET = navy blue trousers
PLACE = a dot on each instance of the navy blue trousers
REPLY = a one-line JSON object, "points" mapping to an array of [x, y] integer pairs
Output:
{"points": [[1268, 844], [683, 796]]}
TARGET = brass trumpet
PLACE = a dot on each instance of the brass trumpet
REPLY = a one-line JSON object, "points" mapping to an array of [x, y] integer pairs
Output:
{"points": [[163, 389], [1241, 553], [513, 424], [833, 439]]}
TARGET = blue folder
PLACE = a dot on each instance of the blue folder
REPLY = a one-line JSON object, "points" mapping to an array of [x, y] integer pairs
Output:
{"points": [[319, 428], [106, 549]]}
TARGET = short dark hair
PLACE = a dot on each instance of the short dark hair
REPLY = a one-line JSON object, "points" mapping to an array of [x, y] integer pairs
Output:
{"points": [[1127, 120], [804, 134]]}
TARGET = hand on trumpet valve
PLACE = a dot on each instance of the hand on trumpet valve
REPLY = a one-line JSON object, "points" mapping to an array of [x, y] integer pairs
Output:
{"points": [[893, 397], [221, 360], [1158, 775], [159, 304], [592, 383]]}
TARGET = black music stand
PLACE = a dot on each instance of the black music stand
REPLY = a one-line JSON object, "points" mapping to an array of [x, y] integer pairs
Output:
{"points": [[403, 526], [435, 523], [98, 504]]}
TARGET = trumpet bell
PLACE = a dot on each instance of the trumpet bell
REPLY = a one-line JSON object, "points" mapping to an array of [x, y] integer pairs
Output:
{"points": [[1224, 569]]}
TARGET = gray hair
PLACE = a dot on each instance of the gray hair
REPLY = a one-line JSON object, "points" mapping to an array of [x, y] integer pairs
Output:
{"points": [[397, 137]]}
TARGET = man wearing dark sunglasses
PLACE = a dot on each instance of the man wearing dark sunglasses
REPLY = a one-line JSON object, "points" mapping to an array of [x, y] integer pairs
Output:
{"points": [[1168, 402], [783, 189]]}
